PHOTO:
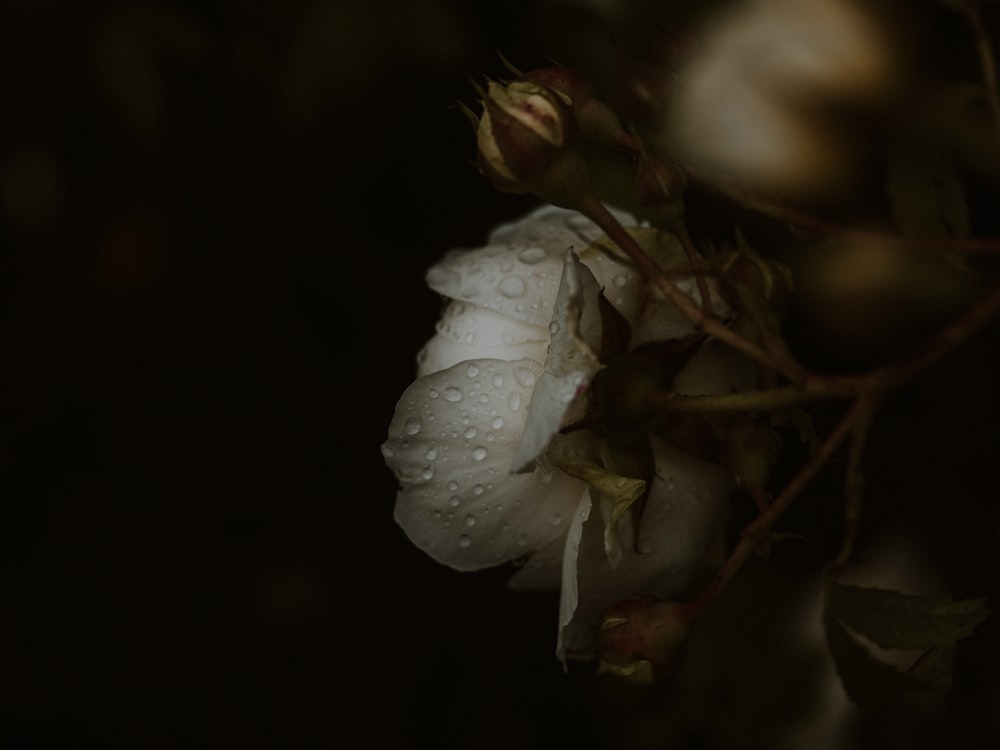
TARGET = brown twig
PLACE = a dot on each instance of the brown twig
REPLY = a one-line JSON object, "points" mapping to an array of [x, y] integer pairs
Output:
{"points": [[758, 530], [596, 212]]}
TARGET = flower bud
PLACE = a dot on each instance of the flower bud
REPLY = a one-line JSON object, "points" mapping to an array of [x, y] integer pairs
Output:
{"points": [[597, 122], [641, 637], [658, 183], [525, 138]]}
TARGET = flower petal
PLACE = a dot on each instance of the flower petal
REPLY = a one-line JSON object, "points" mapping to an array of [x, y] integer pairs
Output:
{"points": [[575, 329], [450, 444], [682, 521], [519, 281], [467, 332]]}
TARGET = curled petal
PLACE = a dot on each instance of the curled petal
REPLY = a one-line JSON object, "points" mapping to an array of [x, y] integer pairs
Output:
{"points": [[450, 444], [575, 329], [682, 521]]}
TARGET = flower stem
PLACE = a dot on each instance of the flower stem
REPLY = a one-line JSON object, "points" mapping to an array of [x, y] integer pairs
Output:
{"points": [[758, 529], [773, 399], [593, 209]]}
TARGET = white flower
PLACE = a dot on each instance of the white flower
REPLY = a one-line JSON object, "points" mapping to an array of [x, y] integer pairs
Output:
{"points": [[474, 441]]}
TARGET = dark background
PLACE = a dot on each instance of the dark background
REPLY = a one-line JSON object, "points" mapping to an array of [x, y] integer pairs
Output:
{"points": [[216, 219]]}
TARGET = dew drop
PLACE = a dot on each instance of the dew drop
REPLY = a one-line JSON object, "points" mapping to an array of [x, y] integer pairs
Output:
{"points": [[470, 433], [412, 425], [454, 501], [524, 376], [514, 401], [470, 520], [427, 473], [464, 541], [431, 455], [478, 489], [512, 287], [432, 393], [472, 370], [452, 486], [522, 539], [497, 380], [556, 520], [497, 423], [452, 394], [531, 255], [478, 453], [620, 280], [554, 327]]}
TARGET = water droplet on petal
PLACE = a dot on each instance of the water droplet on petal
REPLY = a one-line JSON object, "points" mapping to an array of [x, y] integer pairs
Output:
{"points": [[620, 280], [477, 490], [432, 454], [432, 393], [556, 520], [470, 433], [512, 287], [514, 401], [472, 370], [452, 394], [452, 486], [497, 423], [412, 425], [479, 453], [427, 473], [464, 541], [454, 501], [470, 520], [524, 376], [497, 380], [554, 327], [531, 255]]}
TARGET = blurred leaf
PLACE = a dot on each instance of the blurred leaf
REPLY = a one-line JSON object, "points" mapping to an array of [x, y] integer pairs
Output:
{"points": [[867, 681], [934, 669], [926, 193], [895, 620]]}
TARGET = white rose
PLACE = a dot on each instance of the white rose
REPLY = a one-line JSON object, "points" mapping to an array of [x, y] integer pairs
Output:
{"points": [[474, 440]]}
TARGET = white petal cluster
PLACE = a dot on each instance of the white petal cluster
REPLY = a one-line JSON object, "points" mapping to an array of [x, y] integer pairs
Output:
{"points": [[517, 344]]}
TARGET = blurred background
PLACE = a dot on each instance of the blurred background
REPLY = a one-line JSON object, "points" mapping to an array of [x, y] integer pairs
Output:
{"points": [[215, 218]]}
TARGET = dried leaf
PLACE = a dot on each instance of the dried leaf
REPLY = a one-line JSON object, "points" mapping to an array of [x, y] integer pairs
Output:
{"points": [[894, 620]]}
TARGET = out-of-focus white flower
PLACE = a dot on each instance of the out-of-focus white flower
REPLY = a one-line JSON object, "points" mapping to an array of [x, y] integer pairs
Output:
{"points": [[748, 104], [475, 445]]}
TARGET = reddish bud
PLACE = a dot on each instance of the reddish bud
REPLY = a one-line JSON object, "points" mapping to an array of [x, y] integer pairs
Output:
{"points": [[641, 637]]}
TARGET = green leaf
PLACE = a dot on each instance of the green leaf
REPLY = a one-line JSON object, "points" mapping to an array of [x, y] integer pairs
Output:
{"points": [[894, 620], [867, 681]]}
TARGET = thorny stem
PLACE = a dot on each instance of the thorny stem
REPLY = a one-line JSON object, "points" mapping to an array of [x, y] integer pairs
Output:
{"points": [[869, 389], [758, 530], [749, 401], [854, 487], [596, 212], [679, 228]]}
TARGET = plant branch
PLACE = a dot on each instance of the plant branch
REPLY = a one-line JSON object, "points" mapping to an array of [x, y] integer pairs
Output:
{"points": [[758, 529], [596, 212]]}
